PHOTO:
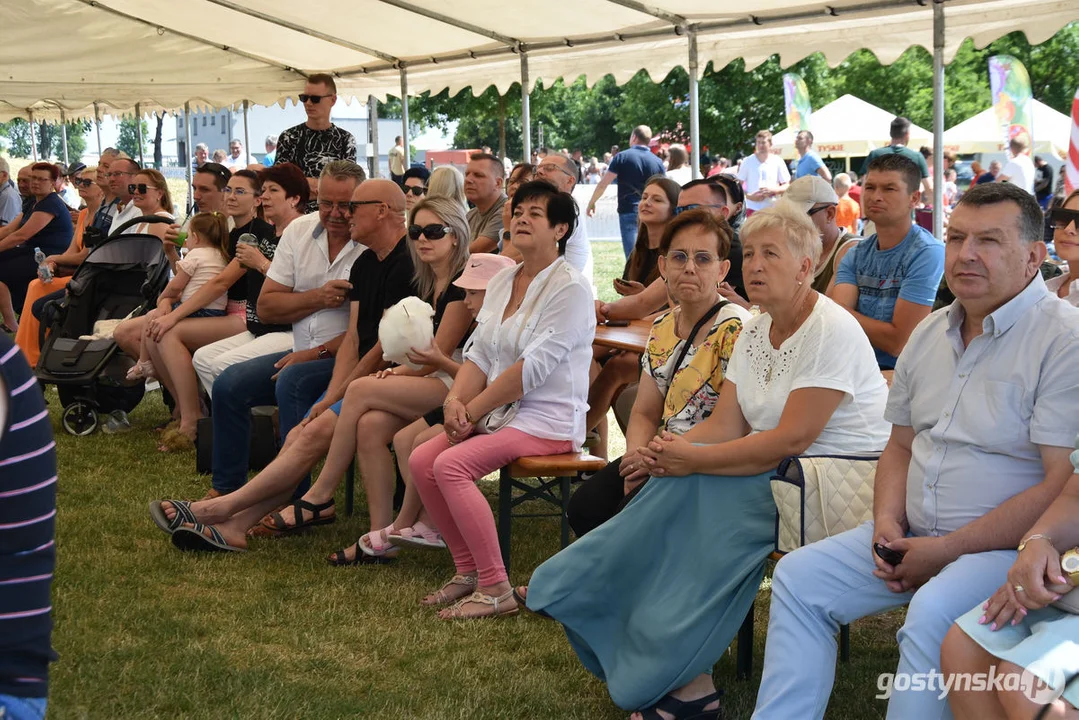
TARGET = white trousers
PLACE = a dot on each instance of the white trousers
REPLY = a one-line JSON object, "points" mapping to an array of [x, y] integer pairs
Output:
{"points": [[211, 360], [819, 587]]}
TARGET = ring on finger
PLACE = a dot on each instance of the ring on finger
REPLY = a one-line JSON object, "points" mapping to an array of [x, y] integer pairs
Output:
{"points": [[1019, 588]]}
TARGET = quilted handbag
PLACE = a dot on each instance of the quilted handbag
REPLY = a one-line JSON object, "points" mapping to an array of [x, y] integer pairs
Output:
{"points": [[821, 495]]}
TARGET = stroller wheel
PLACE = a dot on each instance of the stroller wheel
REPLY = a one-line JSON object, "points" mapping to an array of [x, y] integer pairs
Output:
{"points": [[79, 418]]}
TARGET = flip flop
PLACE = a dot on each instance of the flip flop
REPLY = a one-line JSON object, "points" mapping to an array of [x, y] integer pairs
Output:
{"points": [[191, 538], [685, 710], [418, 536], [183, 515], [338, 559], [520, 594]]}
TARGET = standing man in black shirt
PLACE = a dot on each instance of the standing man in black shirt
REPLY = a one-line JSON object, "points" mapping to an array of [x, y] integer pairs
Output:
{"points": [[317, 141]]}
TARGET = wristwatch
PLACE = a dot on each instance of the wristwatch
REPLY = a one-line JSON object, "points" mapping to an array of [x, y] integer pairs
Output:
{"points": [[324, 353], [1069, 563], [505, 236]]}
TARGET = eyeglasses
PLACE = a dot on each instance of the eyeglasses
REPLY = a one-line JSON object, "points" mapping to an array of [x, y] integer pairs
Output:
{"points": [[141, 188], [82, 182], [313, 99], [816, 210], [431, 232], [352, 206], [344, 207], [238, 192], [1061, 218], [416, 190], [37, 178], [701, 259], [120, 173], [684, 208], [545, 168]]}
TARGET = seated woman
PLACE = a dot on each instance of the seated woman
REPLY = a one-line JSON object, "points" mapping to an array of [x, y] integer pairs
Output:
{"points": [[1018, 632], [709, 493], [376, 407], [285, 193], [1065, 221], [658, 201], [61, 266], [47, 225], [519, 175], [523, 384], [682, 370], [447, 181], [177, 334]]}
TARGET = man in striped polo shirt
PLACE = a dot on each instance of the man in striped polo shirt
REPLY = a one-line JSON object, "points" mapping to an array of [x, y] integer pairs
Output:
{"points": [[27, 531]]}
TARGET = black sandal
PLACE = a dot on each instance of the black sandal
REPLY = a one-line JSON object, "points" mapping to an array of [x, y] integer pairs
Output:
{"points": [[522, 602], [338, 559], [685, 710], [277, 527]]}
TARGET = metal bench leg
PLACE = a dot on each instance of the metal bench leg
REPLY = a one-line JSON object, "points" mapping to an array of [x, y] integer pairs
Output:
{"points": [[844, 643], [350, 488], [505, 514], [565, 481], [744, 661]]}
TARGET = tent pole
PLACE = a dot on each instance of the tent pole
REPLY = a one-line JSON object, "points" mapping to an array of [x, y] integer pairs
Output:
{"points": [[526, 111], [63, 135], [938, 118], [97, 123], [188, 154], [694, 107], [404, 116], [33, 136], [247, 137], [372, 136], [138, 132]]}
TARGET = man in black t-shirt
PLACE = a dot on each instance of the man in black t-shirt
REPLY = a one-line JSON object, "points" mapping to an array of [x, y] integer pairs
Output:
{"points": [[316, 142]]}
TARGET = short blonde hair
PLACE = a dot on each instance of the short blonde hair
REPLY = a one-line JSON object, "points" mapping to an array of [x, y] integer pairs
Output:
{"points": [[842, 180], [447, 181], [802, 235]]}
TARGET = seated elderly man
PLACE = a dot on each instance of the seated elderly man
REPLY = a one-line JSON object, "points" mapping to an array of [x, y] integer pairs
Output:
{"points": [[983, 420]]}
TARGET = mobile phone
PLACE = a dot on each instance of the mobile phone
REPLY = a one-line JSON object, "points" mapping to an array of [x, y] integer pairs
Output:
{"points": [[622, 282], [617, 323], [892, 557]]}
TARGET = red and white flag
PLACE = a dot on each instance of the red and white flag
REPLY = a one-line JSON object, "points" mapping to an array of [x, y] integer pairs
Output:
{"points": [[1071, 166]]}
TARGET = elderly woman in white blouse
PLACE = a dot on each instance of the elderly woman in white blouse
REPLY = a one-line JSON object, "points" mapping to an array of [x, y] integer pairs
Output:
{"points": [[651, 599], [522, 391]]}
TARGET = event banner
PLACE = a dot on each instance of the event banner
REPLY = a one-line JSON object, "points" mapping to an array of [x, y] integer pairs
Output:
{"points": [[796, 100], [1012, 98], [1071, 165]]}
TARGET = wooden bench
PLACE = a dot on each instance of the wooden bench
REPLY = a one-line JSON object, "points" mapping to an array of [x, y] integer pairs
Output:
{"points": [[555, 474]]}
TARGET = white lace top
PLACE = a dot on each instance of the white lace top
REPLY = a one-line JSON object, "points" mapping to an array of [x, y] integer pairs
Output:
{"points": [[830, 350]]}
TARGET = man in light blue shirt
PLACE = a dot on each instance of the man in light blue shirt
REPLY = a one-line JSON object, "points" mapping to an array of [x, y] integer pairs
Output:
{"points": [[983, 422], [10, 201], [890, 280], [809, 162]]}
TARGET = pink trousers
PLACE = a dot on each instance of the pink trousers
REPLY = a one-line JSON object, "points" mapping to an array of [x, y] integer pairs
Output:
{"points": [[445, 476]]}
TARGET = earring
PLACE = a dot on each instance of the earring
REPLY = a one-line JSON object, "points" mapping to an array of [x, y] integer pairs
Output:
{"points": [[799, 283]]}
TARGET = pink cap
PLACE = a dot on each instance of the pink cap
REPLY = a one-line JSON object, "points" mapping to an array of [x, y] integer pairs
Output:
{"points": [[479, 270]]}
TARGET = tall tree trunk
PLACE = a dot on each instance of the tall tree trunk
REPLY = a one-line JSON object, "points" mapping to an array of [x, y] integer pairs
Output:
{"points": [[502, 126], [158, 160], [45, 138]]}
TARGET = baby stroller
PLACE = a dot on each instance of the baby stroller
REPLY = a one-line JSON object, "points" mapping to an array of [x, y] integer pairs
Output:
{"points": [[121, 277]]}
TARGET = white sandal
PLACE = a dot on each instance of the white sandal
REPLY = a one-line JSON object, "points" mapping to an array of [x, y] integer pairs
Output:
{"points": [[442, 598], [455, 612], [418, 536]]}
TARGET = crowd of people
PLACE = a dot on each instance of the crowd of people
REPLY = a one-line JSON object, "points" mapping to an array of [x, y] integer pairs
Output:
{"points": [[776, 331]]}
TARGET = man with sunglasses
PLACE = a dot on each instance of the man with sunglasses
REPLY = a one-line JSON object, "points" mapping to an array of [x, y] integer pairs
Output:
{"points": [[317, 141], [562, 171], [815, 197], [414, 183], [121, 174]]}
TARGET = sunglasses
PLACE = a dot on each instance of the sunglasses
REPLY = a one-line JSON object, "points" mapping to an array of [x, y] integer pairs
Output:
{"points": [[141, 188], [355, 204], [416, 190], [1061, 218], [685, 208], [313, 99], [82, 182], [816, 210], [680, 259], [431, 232]]}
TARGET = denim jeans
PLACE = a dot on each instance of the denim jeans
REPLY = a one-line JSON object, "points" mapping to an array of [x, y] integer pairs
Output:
{"points": [[20, 708], [627, 226], [246, 385]]}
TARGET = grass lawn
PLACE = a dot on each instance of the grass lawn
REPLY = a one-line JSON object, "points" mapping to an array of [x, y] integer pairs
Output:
{"points": [[144, 631]]}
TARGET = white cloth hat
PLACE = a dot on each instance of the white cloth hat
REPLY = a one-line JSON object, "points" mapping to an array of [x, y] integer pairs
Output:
{"points": [[810, 190]]}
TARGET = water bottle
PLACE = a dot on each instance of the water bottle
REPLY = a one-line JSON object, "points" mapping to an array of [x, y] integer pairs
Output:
{"points": [[43, 270]]}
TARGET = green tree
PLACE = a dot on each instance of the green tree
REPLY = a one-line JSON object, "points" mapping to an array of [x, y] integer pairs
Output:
{"points": [[49, 137], [17, 133], [128, 140]]}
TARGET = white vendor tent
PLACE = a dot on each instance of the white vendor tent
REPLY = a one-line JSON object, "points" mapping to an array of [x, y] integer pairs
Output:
{"points": [[849, 127], [982, 133]]}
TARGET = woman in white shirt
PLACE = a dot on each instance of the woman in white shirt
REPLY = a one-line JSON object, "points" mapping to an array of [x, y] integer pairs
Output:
{"points": [[1066, 243], [676, 571], [522, 391]]}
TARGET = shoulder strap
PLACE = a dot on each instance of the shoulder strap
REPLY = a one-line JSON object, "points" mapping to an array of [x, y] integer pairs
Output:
{"points": [[696, 329]]}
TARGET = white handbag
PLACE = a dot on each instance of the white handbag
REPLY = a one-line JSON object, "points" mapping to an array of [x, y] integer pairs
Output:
{"points": [[821, 495]]}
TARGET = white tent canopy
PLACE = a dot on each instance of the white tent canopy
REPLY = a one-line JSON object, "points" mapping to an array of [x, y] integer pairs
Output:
{"points": [[67, 55], [982, 133], [849, 127]]}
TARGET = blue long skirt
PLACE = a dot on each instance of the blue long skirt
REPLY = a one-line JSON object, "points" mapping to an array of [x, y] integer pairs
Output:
{"points": [[653, 597]]}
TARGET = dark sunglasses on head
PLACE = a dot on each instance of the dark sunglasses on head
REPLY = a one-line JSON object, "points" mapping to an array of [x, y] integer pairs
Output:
{"points": [[416, 190], [82, 182], [431, 232], [1061, 218], [313, 99], [141, 188]]}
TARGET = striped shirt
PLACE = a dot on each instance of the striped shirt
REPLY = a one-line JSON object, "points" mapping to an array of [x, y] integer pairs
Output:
{"points": [[27, 528]]}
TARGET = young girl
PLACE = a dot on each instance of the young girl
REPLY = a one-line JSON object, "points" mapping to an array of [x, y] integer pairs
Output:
{"points": [[207, 255]]}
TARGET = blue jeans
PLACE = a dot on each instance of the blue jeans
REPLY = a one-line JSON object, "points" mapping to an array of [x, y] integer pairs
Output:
{"points": [[246, 385], [627, 226], [20, 708]]}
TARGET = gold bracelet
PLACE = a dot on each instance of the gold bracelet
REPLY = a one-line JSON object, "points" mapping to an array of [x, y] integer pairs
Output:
{"points": [[448, 400], [1035, 536]]}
